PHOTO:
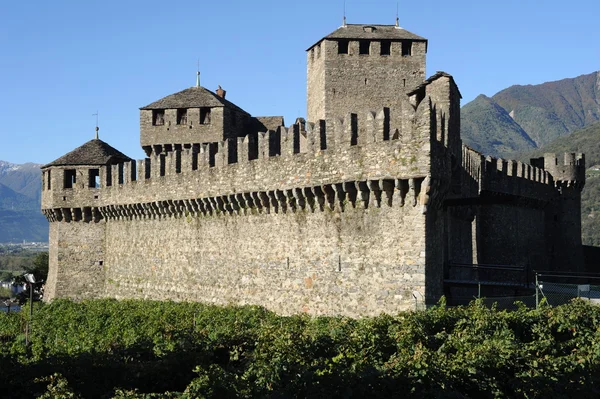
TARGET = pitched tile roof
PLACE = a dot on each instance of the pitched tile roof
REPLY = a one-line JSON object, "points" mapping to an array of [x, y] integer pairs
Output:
{"points": [[193, 97], [94, 152], [372, 32]]}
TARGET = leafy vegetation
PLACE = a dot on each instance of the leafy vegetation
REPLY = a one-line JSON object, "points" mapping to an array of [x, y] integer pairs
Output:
{"points": [[144, 349]]}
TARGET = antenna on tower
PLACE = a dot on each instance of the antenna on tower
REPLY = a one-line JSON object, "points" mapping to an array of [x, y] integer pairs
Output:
{"points": [[397, 18], [198, 74], [97, 128], [344, 23]]}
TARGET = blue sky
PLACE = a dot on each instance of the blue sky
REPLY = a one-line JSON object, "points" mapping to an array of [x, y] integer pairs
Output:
{"points": [[63, 60]]}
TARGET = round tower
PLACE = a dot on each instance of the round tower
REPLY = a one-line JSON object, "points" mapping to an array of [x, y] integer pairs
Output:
{"points": [[71, 196], [568, 172]]}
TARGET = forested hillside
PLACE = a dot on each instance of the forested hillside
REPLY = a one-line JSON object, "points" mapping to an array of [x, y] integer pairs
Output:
{"points": [[520, 118]]}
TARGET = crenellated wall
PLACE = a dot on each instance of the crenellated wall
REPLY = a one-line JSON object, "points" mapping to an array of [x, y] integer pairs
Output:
{"points": [[353, 216], [303, 219], [335, 152]]}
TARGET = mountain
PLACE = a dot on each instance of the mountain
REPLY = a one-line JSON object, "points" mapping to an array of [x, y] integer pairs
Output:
{"points": [[24, 179], [541, 113], [488, 128], [20, 198], [11, 200], [586, 140]]}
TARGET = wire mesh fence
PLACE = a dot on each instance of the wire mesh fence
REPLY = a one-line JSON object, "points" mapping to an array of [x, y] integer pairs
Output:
{"points": [[508, 286], [559, 288]]}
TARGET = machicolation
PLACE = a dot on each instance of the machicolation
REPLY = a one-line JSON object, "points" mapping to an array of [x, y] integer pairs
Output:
{"points": [[362, 209]]}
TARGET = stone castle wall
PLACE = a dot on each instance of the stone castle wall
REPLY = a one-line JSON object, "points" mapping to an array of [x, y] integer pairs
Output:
{"points": [[307, 221], [353, 216], [354, 262]]}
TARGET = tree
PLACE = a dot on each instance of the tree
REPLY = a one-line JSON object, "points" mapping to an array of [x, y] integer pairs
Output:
{"points": [[39, 267]]}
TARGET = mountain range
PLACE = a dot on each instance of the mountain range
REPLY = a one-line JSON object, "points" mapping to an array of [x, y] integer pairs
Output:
{"points": [[523, 118], [20, 195]]}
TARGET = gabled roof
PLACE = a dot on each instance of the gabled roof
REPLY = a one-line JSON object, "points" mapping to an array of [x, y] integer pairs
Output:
{"points": [[433, 78], [372, 32], [94, 152], [194, 97]]}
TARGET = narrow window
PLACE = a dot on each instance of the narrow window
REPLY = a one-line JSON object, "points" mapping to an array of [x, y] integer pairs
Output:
{"points": [[49, 185], [406, 48], [182, 116], [386, 47], [121, 177], [364, 47], [158, 117], [70, 178], [94, 178], [205, 116], [343, 47]]}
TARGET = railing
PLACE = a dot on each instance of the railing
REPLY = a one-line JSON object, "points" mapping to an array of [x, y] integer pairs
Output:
{"points": [[486, 275]]}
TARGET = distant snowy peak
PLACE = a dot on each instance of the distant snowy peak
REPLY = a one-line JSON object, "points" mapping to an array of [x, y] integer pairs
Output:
{"points": [[7, 167]]}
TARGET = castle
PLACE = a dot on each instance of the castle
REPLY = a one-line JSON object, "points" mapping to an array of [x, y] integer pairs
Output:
{"points": [[364, 208]]}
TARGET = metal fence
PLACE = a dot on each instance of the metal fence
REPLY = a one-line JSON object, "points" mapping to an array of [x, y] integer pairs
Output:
{"points": [[560, 288], [493, 284]]}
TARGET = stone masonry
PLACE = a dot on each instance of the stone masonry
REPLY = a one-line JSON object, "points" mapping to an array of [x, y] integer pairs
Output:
{"points": [[358, 211]]}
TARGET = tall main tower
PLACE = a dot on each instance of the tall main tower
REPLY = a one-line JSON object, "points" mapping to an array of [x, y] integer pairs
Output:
{"points": [[360, 68]]}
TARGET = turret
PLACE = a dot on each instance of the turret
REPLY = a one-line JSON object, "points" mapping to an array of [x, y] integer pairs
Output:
{"points": [[564, 214], [567, 170], [75, 179], [72, 193]]}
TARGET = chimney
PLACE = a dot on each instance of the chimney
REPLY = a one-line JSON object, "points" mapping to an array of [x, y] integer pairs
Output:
{"points": [[221, 93]]}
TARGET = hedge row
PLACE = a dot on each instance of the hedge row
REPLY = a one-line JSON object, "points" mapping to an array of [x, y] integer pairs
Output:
{"points": [[147, 349]]}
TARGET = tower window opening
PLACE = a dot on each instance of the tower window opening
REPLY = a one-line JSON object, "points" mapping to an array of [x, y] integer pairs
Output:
{"points": [[364, 47], [386, 47], [182, 116], [158, 117], [49, 184], [70, 178], [205, 116], [343, 46], [94, 178], [406, 48]]}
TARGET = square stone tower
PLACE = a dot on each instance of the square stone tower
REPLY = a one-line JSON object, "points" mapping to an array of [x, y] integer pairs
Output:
{"points": [[362, 68]]}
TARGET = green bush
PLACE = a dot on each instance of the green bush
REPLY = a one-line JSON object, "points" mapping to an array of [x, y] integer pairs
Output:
{"points": [[148, 349]]}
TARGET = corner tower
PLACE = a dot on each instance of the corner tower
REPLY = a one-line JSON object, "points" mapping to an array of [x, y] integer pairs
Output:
{"points": [[361, 68]]}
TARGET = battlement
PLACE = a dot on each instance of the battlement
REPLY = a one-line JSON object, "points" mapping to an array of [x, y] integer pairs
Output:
{"points": [[501, 176], [568, 169], [371, 148]]}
